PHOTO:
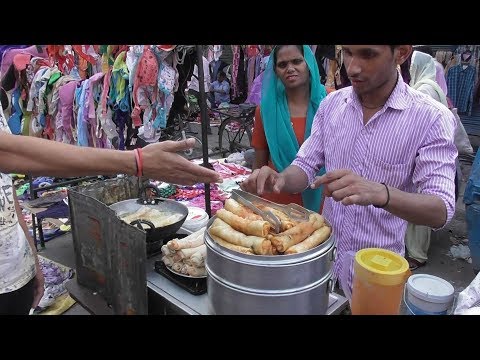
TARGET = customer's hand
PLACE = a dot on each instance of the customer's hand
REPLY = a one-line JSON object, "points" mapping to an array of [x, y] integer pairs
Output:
{"points": [[263, 180], [38, 286], [349, 188], [161, 162]]}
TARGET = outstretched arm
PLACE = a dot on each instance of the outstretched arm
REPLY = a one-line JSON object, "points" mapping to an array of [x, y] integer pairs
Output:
{"points": [[30, 155]]}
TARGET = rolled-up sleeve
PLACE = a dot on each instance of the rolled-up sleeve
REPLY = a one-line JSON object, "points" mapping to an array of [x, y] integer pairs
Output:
{"points": [[434, 172], [311, 155]]}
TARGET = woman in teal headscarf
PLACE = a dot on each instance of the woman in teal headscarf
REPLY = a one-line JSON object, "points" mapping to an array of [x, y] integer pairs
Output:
{"points": [[291, 94]]}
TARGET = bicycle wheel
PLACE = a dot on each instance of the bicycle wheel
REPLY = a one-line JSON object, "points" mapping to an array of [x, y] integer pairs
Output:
{"points": [[196, 152], [234, 136]]}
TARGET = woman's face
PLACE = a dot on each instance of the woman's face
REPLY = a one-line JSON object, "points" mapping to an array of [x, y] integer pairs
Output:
{"points": [[291, 67]]}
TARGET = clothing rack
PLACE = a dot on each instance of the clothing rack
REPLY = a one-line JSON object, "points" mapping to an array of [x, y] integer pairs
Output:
{"points": [[37, 224]]}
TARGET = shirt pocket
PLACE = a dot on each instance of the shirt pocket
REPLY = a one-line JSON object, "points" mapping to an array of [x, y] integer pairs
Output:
{"points": [[395, 175]]}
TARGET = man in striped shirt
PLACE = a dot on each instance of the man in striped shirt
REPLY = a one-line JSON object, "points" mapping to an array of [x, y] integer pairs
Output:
{"points": [[388, 151]]}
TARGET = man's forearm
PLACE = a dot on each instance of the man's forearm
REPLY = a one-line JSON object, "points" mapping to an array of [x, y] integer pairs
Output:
{"points": [[420, 209], [295, 179], [43, 157]]}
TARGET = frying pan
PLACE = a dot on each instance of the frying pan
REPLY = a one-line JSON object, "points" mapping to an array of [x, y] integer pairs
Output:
{"points": [[170, 206]]}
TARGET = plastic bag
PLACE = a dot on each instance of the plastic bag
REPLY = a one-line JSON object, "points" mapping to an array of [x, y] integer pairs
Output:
{"points": [[468, 302], [462, 141]]}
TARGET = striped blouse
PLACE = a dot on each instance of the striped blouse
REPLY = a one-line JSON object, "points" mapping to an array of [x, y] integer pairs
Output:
{"points": [[408, 145]]}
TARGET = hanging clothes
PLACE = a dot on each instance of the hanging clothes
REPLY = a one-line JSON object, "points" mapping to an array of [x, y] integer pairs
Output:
{"points": [[235, 66], [66, 95], [82, 131], [93, 96], [215, 67], [460, 83]]}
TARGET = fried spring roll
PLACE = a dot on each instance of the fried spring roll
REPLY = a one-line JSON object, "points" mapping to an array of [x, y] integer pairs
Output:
{"points": [[318, 237], [248, 227], [296, 234], [238, 209], [241, 249], [259, 245]]}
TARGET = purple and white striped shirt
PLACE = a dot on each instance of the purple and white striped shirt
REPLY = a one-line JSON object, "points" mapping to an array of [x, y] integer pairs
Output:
{"points": [[408, 145]]}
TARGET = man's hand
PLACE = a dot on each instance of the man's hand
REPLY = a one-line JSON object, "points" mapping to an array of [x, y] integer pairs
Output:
{"points": [[161, 162], [38, 286], [263, 180], [351, 189]]}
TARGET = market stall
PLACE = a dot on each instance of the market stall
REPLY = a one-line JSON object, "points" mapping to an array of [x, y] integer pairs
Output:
{"points": [[133, 280], [167, 297]]}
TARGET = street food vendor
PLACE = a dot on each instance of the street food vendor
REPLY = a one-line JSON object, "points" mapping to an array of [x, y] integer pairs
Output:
{"points": [[389, 155]]}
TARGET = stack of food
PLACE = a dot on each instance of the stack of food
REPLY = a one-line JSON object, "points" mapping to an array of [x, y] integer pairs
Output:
{"points": [[187, 255], [240, 229]]}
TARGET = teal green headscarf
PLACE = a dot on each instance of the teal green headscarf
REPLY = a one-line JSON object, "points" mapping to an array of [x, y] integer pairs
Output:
{"points": [[281, 139]]}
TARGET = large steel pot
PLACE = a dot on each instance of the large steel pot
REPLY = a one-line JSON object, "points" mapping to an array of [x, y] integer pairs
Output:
{"points": [[242, 284]]}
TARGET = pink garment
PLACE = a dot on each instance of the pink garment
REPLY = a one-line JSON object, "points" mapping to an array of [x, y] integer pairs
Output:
{"points": [[235, 66], [255, 93], [91, 104], [20, 61], [229, 170], [91, 117], [106, 88], [65, 103], [440, 76], [8, 55], [199, 201]]}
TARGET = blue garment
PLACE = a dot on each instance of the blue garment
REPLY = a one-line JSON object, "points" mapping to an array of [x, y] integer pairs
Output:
{"points": [[4, 48], [56, 211], [472, 190], [82, 131], [282, 142], [120, 119], [460, 84], [15, 121], [43, 179], [225, 86], [215, 67]]}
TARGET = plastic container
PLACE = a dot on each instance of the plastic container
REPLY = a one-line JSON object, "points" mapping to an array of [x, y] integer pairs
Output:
{"points": [[378, 282], [428, 295], [196, 219]]}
